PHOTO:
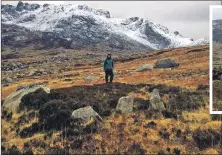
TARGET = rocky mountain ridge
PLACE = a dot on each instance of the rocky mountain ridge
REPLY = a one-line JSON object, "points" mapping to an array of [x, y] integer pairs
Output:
{"points": [[217, 30], [79, 26]]}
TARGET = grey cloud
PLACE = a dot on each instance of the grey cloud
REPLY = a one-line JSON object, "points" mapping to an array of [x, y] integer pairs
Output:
{"points": [[217, 13], [190, 18], [169, 10]]}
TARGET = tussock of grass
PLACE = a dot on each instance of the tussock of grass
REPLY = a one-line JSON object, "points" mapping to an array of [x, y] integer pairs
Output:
{"points": [[217, 97]]}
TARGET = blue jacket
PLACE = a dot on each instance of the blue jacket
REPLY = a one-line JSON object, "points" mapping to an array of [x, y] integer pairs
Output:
{"points": [[108, 64]]}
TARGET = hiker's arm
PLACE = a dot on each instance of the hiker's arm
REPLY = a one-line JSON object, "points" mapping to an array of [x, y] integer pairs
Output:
{"points": [[104, 66]]}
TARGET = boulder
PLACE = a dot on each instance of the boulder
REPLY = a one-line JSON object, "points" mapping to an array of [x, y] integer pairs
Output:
{"points": [[220, 77], [166, 63], [217, 73], [156, 102], [13, 101], [20, 75], [31, 73], [176, 33], [22, 87], [8, 80], [41, 70], [85, 114], [26, 86], [144, 67], [125, 104], [88, 79]]}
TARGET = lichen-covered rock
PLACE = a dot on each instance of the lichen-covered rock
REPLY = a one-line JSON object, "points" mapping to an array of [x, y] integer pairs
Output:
{"points": [[166, 63], [156, 102], [88, 79], [144, 67], [13, 101], [9, 80], [85, 114], [125, 104]]}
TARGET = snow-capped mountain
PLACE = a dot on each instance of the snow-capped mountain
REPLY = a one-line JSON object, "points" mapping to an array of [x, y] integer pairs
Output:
{"points": [[76, 26], [217, 30]]}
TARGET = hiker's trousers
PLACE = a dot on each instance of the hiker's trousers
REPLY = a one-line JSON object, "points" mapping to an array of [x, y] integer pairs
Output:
{"points": [[109, 72]]}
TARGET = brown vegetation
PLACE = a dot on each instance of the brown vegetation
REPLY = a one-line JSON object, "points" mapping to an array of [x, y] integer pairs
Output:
{"points": [[185, 127]]}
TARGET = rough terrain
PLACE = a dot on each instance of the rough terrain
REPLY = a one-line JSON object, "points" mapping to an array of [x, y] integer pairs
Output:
{"points": [[76, 80]]}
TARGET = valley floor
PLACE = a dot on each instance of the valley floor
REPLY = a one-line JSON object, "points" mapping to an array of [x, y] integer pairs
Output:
{"points": [[186, 127]]}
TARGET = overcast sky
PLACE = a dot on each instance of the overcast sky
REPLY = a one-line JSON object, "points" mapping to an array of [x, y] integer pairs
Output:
{"points": [[190, 18], [217, 13]]}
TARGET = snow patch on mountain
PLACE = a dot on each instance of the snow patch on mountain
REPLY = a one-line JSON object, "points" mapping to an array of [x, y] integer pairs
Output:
{"points": [[217, 30], [47, 18]]}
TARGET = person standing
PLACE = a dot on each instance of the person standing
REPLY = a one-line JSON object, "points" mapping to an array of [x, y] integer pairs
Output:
{"points": [[108, 67]]}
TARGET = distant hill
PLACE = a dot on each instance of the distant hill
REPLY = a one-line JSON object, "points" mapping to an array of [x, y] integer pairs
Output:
{"points": [[217, 30], [79, 26]]}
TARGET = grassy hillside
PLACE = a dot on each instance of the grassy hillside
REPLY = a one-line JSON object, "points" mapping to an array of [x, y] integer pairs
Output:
{"points": [[185, 126]]}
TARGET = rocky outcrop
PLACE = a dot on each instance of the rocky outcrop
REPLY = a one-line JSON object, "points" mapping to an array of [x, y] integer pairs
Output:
{"points": [[217, 74], [125, 104], [13, 101], [27, 7], [11, 66], [217, 30]]}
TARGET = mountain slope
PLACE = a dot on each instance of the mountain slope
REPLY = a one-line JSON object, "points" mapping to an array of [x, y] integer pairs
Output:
{"points": [[217, 30], [79, 26], [183, 90]]}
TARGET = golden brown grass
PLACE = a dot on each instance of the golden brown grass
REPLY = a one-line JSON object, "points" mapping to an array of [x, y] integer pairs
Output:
{"points": [[192, 72]]}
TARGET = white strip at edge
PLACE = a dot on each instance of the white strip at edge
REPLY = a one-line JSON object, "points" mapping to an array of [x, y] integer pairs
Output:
{"points": [[211, 61]]}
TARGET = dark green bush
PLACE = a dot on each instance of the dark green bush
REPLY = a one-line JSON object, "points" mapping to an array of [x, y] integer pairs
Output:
{"points": [[7, 115], [151, 124], [217, 97], [176, 151], [217, 117], [76, 144], [136, 149], [12, 151], [29, 131], [164, 134], [206, 138], [34, 100], [54, 114], [185, 101]]}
